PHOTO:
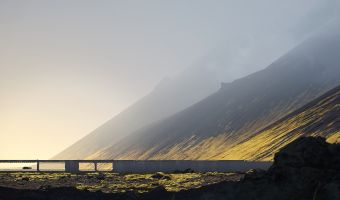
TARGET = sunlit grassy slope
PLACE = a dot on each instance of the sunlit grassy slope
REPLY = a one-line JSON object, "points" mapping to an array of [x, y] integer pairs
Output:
{"points": [[318, 118]]}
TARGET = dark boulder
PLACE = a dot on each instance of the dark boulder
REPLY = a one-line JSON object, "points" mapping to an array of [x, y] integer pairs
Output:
{"points": [[100, 177], [25, 179], [189, 170], [307, 152]]}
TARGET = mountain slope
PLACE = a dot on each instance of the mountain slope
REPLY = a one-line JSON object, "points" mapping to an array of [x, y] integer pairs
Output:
{"points": [[321, 117], [239, 109]]}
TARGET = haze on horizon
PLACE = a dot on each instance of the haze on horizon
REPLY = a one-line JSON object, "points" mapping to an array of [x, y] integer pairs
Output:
{"points": [[68, 66]]}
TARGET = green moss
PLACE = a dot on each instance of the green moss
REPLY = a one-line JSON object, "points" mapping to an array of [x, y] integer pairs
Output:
{"points": [[113, 182]]}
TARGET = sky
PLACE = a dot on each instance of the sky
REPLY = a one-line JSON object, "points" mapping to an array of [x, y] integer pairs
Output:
{"points": [[68, 66]]}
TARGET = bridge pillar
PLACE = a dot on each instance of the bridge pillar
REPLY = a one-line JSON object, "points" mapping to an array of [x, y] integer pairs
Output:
{"points": [[95, 167], [71, 166], [38, 166]]}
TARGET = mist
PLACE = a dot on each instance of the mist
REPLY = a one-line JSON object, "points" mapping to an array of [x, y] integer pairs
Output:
{"points": [[66, 67]]}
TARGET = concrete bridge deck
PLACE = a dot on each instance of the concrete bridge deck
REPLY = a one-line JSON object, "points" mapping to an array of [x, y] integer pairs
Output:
{"points": [[145, 166]]}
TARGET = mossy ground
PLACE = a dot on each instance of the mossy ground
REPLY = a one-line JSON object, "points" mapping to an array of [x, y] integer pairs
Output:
{"points": [[113, 182]]}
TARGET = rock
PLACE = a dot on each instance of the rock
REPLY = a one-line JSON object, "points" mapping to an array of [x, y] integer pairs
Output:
{"points": [[101, 177], [156, 193], [161, 175], [184, 171], [25, 179], [158, 189], [334, 149], [328, 191], [45, 187], [188, 171], [254, 174], [304, 152], [25, 168]]}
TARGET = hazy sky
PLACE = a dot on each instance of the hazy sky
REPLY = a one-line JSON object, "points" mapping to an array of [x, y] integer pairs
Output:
{"points": [[67, 66]]}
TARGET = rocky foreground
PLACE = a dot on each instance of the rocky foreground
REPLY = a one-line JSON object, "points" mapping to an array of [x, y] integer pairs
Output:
{"points": [[308, 168]]}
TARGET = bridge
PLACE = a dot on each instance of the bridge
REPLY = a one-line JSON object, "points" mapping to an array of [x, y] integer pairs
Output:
{"points": [[140, 166]]}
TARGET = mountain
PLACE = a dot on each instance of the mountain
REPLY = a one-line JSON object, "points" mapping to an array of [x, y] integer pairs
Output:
{"points": [[240, 109], [181, 90], [225, 62]]}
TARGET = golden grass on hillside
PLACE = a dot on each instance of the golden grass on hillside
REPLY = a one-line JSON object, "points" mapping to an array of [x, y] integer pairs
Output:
{"points": [[335, 138]]}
